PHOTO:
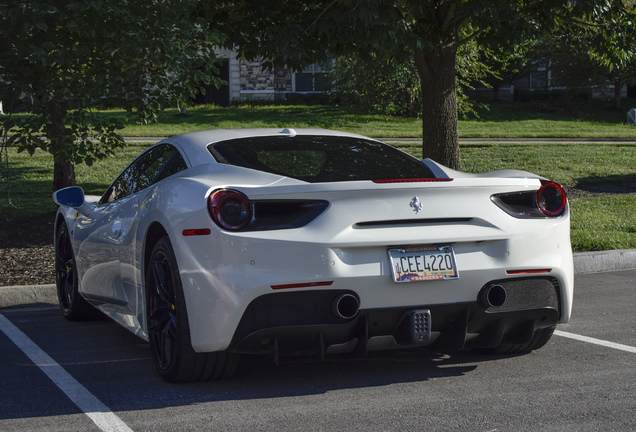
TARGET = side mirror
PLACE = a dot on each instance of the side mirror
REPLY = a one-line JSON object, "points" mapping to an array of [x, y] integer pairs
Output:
{"points": [[72, 197]]}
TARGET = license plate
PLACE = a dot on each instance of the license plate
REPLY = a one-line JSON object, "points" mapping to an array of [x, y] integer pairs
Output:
{"points": [[423, 263]]}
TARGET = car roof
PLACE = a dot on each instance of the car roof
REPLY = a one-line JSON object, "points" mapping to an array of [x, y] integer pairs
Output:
{"points": [[194, 144]]}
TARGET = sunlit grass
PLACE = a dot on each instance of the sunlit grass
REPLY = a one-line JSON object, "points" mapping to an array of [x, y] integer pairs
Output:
{"points": [[604, 223], [568, 164], [500, 120], [272, 116], [584, 120]]}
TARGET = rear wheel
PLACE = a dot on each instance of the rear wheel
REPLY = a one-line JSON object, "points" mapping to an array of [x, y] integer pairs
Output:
{"points": [[72, 304], [168, 327], [540, 338]]}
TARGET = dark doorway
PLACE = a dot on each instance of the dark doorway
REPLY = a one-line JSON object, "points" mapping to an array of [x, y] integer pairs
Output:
{"points": [[217, 96], [631, 92]]}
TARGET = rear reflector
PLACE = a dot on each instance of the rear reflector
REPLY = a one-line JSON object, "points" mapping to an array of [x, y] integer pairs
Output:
{"points": [[197, 232], [514, 272], [414, 180], [302, 285]]}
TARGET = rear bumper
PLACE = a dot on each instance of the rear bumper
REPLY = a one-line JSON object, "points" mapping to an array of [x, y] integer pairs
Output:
{"points": [[303, 323], [224, 274]]}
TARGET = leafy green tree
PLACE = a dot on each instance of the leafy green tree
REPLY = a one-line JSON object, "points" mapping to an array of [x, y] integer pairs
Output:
{"points": [[596, 49], [470, 71], [377, 85], [60, 59], [392, 86], [506, 65], [430, 32]]}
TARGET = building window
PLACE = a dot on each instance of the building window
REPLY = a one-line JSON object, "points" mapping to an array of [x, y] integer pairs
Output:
{"points": [[539, 80], [312, 79]]}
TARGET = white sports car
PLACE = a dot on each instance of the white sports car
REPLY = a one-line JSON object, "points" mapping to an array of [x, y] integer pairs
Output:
{"points": [[312, 242]]}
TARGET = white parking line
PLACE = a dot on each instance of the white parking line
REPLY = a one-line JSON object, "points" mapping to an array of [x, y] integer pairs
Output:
{"points": [[85, 400], [600, 342]]}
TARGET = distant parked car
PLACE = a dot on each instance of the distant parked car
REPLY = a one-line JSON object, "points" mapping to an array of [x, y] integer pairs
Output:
{"points": [[312, 242]]}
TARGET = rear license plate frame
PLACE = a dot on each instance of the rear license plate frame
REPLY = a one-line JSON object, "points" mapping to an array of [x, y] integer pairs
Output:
{"points": [[423, 263]]}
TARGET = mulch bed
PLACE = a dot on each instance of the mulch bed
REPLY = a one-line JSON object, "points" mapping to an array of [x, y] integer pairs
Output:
{"points": [[26, 251]]}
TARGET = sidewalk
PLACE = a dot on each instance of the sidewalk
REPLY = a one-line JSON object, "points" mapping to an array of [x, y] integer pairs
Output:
{"points": [[584, 262]]}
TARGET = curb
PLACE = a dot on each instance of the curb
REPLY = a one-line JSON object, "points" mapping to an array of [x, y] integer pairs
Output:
{"points": [[584, 262], [28, 295], [600, 261]]}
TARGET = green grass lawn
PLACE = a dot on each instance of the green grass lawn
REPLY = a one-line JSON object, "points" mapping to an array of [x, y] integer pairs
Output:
{"points": [[598, 223], [591, 120], [497, 120], [272, 116]]}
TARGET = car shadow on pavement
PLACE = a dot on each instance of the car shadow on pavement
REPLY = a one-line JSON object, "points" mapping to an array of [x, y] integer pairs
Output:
{"points": [[116, 367]]}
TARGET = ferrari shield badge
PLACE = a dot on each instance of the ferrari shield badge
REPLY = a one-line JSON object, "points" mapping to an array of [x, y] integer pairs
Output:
{"points": [[416, 204]]}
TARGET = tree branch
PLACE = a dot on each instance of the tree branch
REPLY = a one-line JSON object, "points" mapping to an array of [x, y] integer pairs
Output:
{"points": [[448, 18], [313, 24], [471, 37]]}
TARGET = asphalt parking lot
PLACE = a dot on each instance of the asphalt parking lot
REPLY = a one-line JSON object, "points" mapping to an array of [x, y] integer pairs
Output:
{"points": [[62, 376]]}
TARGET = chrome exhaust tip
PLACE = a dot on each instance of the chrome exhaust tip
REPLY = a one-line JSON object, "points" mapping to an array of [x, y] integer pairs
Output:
{"points": [[493, 296], [345, 306]]}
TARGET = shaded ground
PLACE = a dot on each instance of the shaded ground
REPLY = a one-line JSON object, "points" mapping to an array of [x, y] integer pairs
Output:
{"points": [[26, 251], [590, 190], [26, 245]]}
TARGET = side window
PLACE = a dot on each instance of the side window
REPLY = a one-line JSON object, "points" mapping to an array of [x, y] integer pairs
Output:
{"points": [[154, 165], [174, 165]]}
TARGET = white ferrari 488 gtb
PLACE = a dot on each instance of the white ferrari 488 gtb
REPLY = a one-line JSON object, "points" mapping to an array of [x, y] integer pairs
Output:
{"points": [[312, 242]]}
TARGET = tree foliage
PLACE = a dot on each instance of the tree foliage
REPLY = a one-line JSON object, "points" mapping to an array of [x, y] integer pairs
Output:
{"points": [[392, 86], [59, 59], [377, 85], [428, 32], [596, 48], [507, 64]]}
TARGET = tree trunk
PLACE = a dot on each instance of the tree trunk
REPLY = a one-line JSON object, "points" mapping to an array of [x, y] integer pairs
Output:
{"points": [[63, 175], [60, 142], [440, 140]]}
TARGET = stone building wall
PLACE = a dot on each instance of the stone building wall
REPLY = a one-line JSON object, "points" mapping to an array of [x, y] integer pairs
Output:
{"points": [[247, 79], [254, 78], [282, 79]]}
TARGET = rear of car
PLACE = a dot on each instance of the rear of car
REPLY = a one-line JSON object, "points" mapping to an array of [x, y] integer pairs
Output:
{"points": [[358, 247]]}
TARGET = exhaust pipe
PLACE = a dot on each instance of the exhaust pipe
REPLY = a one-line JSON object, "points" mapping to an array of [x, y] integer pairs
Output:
{"points": [[493, 296], [345, 306]]}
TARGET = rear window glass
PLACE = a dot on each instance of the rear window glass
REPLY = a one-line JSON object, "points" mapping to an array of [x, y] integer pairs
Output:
{"points": [[320, 158]]}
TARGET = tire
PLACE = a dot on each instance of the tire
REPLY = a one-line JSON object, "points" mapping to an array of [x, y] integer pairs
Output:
{"points": [[72, 305], [540, 338], [168, 327]]}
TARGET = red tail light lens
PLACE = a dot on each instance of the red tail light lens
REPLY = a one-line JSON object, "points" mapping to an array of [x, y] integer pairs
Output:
{"points": [[551, 199], [230, 209]]}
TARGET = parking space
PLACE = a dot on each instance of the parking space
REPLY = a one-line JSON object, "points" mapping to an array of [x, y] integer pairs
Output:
{"points": [[570, 384]]}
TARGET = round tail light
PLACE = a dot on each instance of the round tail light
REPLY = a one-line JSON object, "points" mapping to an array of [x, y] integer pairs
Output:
{"points": [[230, 209], [551, 199]]}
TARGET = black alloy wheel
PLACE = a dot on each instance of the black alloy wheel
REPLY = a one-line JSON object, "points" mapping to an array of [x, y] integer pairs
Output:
{"points": [[162, 311], [72, 304], [168, 327]]}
